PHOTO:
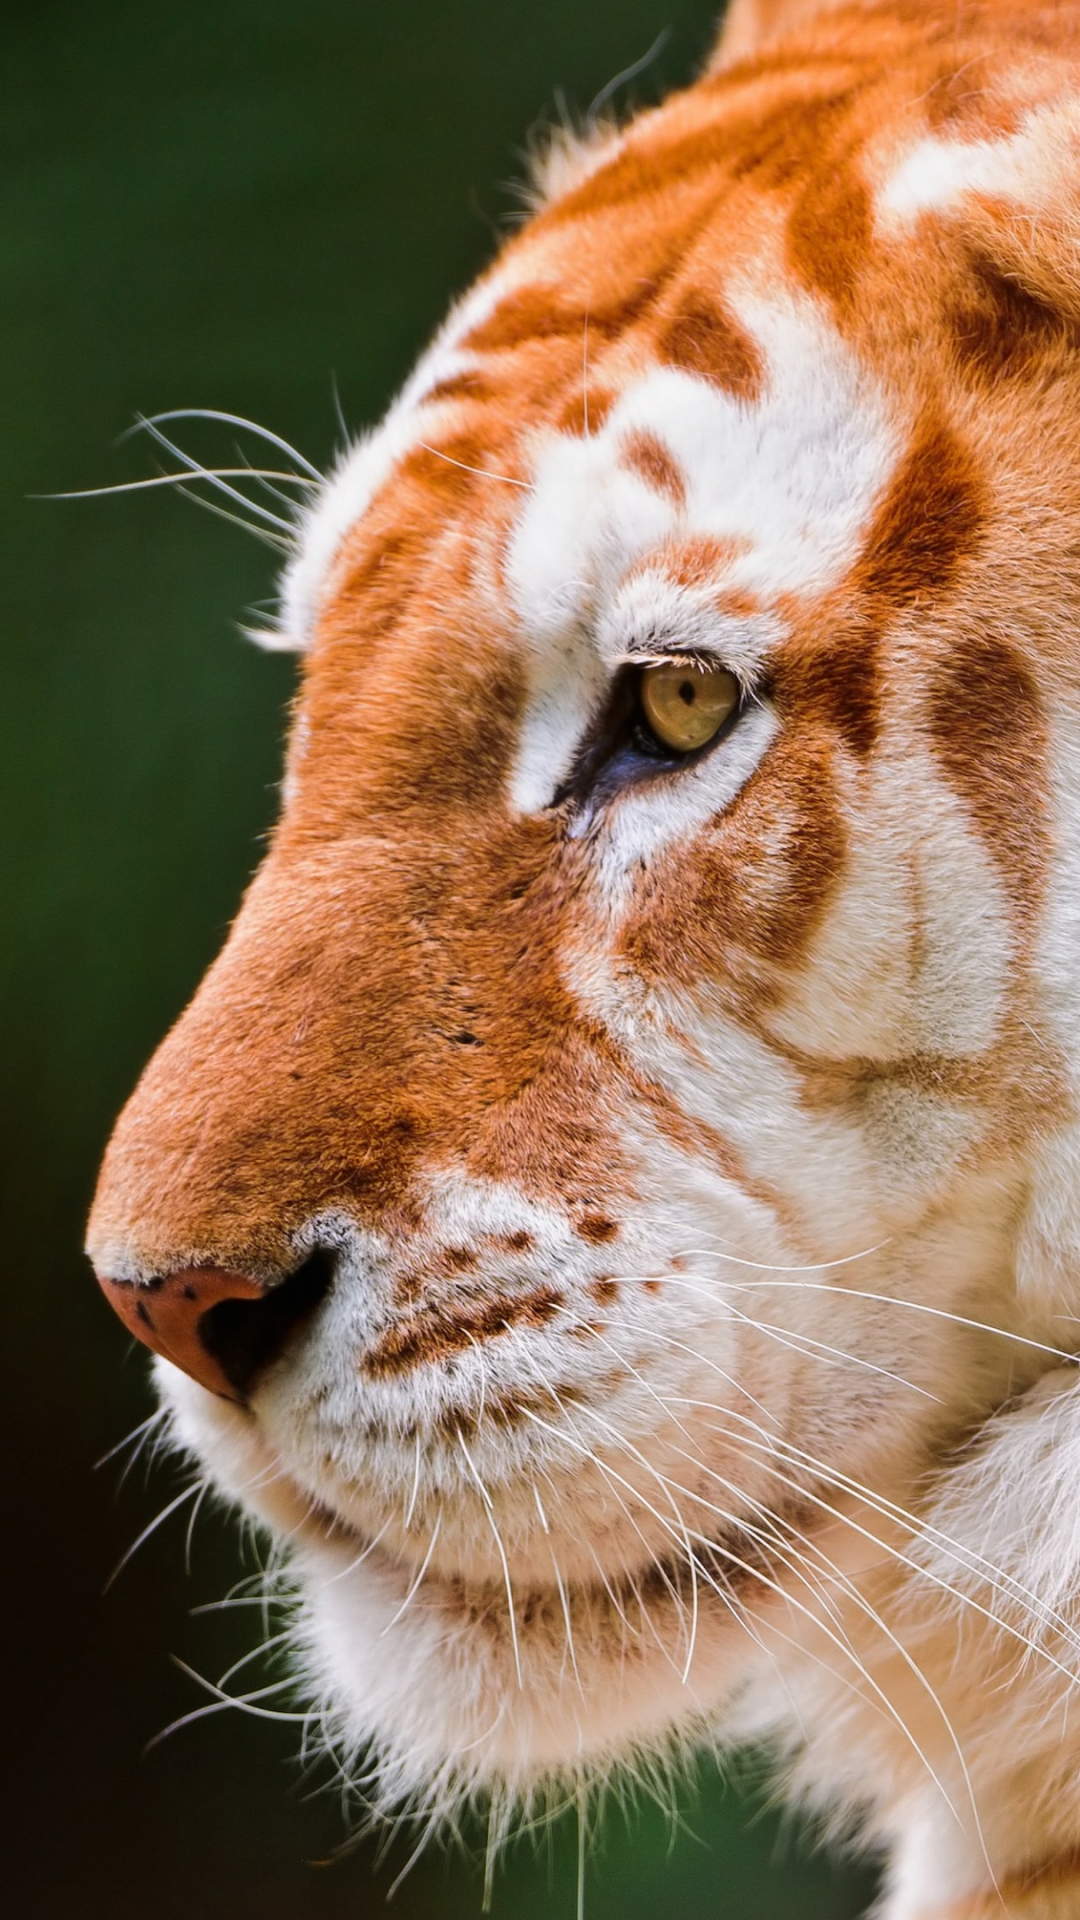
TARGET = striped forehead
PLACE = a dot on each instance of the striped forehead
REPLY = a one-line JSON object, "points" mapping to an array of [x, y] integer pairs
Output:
{"points": [[765, 202], [693, 520]]}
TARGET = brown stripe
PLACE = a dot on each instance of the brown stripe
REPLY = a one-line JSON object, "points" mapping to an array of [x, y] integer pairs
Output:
{"points": [[830, 229], [1001, 331], [587, 408], [436, 1334], [771, 147], [460, 386], [648, 457], [534, 313], [456, 467], [990, 735], [930, 521], [703, 337], [837, 683]]}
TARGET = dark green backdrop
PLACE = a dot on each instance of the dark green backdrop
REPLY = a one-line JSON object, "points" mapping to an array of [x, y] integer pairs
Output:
{"points": [[232, 203]]}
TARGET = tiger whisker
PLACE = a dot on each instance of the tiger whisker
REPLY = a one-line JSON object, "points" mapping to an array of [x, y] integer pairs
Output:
{"points": [[717, 1252], [209, 474], [859, 1293], [257, 1653], [793, 1337], [771, 1442], [175, 479], [411, 1508], [770, 1445], [229, 420], [571, 1426], [501, 1550], [639, 1377], [801, 1566], [192, 1517], [242, 1703], [837, 1639], [417, 1581], [275, 540], [137, 1439], [800, 1342], [485, 473], [590, 1454], [197, 1487]]}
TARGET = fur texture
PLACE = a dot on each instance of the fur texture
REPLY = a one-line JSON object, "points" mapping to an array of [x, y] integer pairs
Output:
{"points": [[694, 1140]]}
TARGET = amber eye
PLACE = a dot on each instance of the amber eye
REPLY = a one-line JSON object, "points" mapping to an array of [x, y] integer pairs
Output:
{"points": [[687, 706]]}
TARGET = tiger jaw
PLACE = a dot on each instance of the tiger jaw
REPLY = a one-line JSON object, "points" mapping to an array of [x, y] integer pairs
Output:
{"points": [[617, 1559], [507, 1672]]}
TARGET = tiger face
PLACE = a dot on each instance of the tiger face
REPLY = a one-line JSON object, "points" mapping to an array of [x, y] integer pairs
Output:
{"points": [[611, 1209]]}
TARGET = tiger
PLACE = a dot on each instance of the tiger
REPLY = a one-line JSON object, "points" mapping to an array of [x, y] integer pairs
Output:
{"points": [[611, 1213]]}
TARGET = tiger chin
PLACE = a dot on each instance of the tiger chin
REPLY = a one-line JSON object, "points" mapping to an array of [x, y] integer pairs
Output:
{"points": [[612, 1211]]}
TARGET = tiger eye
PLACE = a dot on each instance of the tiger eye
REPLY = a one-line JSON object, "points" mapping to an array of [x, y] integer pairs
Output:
{"points": [[686, 706]]}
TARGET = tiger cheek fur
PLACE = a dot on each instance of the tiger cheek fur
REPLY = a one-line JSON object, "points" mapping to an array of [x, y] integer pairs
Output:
{"points": [[614, 1201]]}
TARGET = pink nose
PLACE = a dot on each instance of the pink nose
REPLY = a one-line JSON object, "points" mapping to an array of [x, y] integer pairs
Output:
{"points": [[174, 1317], [223, 1328]]}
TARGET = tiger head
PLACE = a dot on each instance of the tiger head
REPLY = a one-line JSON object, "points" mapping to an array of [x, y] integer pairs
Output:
{"points": [[613, 1207]]}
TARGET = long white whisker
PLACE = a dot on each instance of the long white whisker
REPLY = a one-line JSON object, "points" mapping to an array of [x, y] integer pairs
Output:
{"points": [[172, 480], [275, 540], [800, 1342], [770, 1445], [256, 1653], [243, 1703], [484, 472], [635, 1493], [661, 1403], [590, 1454], [196, 1487], [192, 1517], [936, 1313], [853, 1293], [411, 1509], [199, 472], [501, 1550], [137, 1439], [623, 79], [716, 1252], [229, 420], [797, 1560], [839, 1641], [415, 1587], [359, 1558]]}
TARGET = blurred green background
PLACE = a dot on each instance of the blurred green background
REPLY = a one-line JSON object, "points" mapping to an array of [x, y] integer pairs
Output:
{"points": [[234, 204]]}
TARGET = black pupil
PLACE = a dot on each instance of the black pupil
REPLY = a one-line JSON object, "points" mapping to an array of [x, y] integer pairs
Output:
{"points": [[686, 692]]}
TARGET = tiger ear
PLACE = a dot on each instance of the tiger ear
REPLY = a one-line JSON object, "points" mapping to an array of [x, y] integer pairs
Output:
{"points": [[751, 26]]}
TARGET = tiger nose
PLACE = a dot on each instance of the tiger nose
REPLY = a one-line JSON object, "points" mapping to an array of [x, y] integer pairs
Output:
{"points": [[223, 1328]]}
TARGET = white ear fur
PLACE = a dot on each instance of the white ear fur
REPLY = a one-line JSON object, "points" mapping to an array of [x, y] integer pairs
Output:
{"points": [[561, 157], [750, 26]]}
